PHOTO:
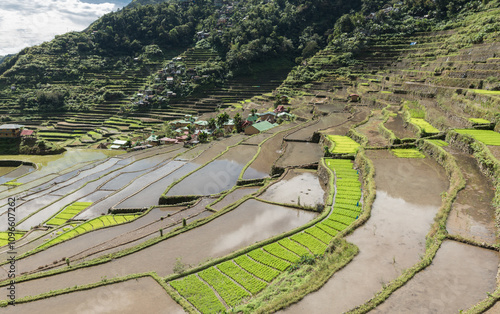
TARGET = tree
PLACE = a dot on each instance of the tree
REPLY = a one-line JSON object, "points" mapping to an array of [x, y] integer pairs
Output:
{"points": [[211, 123], [238, 122], [222, 118], [203, 137]]}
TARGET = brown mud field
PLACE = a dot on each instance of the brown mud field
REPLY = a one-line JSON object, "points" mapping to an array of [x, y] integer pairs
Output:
{"points": [[472, 214], [370, 130], [299, 154], [396, 125], [345, 125], [218, 176], [250, 222], [298, 186], [257, 139], [269, 153], [495, 150], [234, 196], [142, 295], [460, 276], [216, 147], [393, 238], [305, 134]]}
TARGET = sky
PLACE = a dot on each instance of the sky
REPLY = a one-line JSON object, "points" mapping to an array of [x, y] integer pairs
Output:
{"points": [[25, 23]]}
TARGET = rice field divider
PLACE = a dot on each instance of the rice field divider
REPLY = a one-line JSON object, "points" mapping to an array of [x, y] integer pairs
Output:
{"points": [[436, 235], [260, 147], [388, 134]]}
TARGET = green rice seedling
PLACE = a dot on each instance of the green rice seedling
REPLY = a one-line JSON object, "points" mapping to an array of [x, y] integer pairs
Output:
{"points": [[294, 247], [334, 224], [486, 92], [346, 220], [488, 137], [325, 228], [319, 234], [479, 121], [198, 294], [257, 269], [425, 126], [68, 212], [277, 250], [353, 208], [313, 244], [250, 282], [4, 237], [439, 143], [407, 153], [230, 292], [269, 260], [343, 144]]}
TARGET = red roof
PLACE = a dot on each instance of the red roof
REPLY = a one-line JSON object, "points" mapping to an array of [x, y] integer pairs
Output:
{"points": [[26, 132], [280, 108]]}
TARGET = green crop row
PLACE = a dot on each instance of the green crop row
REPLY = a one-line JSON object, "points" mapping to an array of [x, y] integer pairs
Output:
{"points": [[96, 223], [479, 121], [331, 231], [230, 292], [439, 143], [346, 220], [425, 126], [355, 208], [488, 137], [257, 269], [313, 244], [280, 251], [348, 213], [4, 237], [251, 283], [68, 212], [319, 234], [343, 144], [407, 153], [198, 294], [269, 260], [294, 247], [334, 224]]}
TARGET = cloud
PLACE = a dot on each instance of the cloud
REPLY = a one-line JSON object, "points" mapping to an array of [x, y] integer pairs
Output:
{"points": [[26, 23]]}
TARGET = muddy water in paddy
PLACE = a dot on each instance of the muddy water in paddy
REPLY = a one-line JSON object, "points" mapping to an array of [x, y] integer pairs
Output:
{"points": [[396, 125], [392, 239], [219, 175], [460, 276], [297, 185], [94, 238], [234, 196], [299, 153], [269, 152], [250, 222], [343, 127], [5, 170], [216, 147], [12, 173], [143, 295], [472, 214]]}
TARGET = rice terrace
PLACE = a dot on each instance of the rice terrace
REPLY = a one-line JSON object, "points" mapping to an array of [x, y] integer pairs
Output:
{"points": [[210, 165]]}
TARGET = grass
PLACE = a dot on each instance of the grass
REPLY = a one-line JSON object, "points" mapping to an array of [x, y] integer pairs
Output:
{"points": [[343, 144], [486, 92], [68, 212], [407, 153], [488, 137]]}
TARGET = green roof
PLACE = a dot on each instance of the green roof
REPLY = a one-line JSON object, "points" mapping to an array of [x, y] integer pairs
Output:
{"points": [[264, 126], [252, 118]]}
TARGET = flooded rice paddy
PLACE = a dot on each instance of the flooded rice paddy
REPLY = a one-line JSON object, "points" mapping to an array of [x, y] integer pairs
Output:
{"points": [[234, 196], [460, 276], [473, 215], [131, 296], [393, 238], [250, 222], [218, 176], [298, 187], [300, 153], [269, 153]]}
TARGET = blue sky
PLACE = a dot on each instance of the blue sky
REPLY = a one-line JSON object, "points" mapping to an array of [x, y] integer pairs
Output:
{"points": [[25, 23]]}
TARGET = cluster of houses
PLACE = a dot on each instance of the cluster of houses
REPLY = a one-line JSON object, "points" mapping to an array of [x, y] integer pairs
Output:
{"points": [[14, 131]]}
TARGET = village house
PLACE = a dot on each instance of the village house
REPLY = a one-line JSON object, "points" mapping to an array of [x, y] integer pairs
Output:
{"points": [[267, 116], [11, 130], [259, 127], [118, 144]]}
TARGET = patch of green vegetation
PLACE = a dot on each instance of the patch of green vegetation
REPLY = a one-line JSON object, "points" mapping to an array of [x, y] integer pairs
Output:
{"points": [[439, 143], [407, 153], [12, 236], [425, 126], [68, 213], [343, 144], [488, 137], [486, 92], [198, 294], [12, 183], [479, 121]]}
